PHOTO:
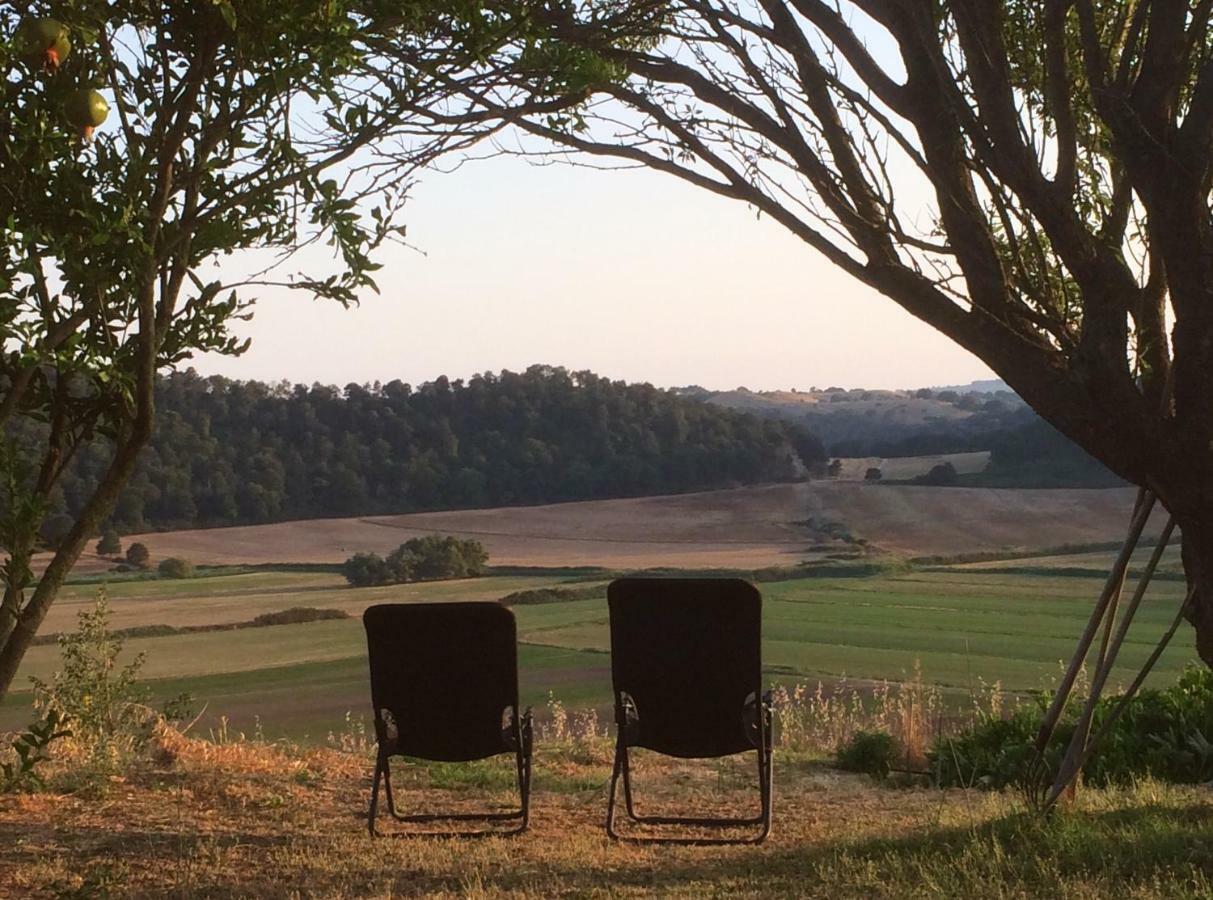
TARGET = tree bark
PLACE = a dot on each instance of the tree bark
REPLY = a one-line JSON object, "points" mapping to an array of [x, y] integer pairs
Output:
{"points": [[1198, 566], [104, 498]]}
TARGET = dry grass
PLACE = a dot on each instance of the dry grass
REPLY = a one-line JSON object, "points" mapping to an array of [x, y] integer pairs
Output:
{"points": [[248, 819], [743, 528]]}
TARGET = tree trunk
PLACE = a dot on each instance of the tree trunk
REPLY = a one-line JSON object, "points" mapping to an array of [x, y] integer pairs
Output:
{"points": [[1198, 566], [100, 505]]}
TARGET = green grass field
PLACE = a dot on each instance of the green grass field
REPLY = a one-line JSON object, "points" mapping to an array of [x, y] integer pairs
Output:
{"points": [[958, 625]]}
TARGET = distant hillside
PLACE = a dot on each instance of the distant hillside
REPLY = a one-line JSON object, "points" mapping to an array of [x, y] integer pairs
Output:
{"points": [[988, 386], [1025, 451], [887, 423], [230, 452]]}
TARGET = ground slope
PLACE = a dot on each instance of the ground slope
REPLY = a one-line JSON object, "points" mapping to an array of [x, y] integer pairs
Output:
{"points": [[258, 821], [745, 527]]}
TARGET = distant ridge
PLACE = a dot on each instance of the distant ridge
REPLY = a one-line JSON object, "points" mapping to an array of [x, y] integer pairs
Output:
{"points": [[988, 386]]}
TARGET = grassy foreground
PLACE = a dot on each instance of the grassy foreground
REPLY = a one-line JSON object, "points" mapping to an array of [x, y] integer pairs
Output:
{"points": [[270, 820]]}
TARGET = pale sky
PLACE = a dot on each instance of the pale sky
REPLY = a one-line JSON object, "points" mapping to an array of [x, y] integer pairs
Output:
{"points": [[631, 274]]}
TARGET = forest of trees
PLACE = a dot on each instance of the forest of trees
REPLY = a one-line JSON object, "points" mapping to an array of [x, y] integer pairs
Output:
{"points": [[230, 452]]}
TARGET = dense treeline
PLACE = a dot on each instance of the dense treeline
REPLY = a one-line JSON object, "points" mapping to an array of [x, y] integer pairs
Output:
{"points": [[1036, 454], [231, 452]]}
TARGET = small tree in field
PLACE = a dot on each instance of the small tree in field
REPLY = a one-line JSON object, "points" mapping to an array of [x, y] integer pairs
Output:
{"points": [[943, 474], [110, 544], [216, 127], [437, 556], [873, 474], [367, 570], [426, 558], [137, 555]]}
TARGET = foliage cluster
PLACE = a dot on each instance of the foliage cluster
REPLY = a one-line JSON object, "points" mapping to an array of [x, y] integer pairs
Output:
{"points": [[137, 555], [942, 475], [103, 699], [228, 452], [110, 543], [1165, 734], [870, 752], [29, 751], [553, 595], [175, 567], [297, 615], [427, 558]]}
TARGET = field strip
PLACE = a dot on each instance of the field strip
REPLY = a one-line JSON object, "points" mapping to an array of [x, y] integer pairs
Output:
{"points": [[674, 542]]}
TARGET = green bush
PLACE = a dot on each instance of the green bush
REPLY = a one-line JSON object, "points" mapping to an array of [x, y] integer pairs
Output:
{"points": [[101, 698], [870, 752], [366, 570], [299, 614], [29, 750], [137, 555], [437, 556], [992, 753], [175, 567], [1165, 734], [552, 595], [110, 543], [426, 558]]}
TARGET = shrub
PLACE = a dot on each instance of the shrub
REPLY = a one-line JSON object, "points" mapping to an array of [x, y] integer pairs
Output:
{"points": [[137, 555], [942, 474], [103, 700], [993, 753], [552, 595], [110, 544], [873, 474], [426, 558], [1165, 734], [870, 752], [175, 567], [299, 614], [366, 570], [29, 750], [436, 556]]}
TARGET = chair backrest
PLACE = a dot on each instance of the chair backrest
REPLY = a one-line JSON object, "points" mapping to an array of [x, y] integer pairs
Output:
{"points": [[447, 673], [687, 652]]}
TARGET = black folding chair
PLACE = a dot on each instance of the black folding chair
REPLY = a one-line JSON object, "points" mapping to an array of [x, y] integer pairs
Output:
{"points": [[444, 684], [687, 673]]}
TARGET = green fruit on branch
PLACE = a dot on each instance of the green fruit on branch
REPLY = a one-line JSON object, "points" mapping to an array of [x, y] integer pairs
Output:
{"points": [[42, 42], [85, 109]]}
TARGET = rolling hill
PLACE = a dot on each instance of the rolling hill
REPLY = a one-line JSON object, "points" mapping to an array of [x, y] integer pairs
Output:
{"points": [[749, 527]]}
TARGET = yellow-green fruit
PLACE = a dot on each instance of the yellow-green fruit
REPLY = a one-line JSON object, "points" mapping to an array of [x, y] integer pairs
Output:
{"points": [[42, 42], [85, 108]]}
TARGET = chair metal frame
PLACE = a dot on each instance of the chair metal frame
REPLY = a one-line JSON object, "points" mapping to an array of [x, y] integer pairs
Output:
{"points": [[522, 736], [402, 732], [758, 719], [622, 771]]}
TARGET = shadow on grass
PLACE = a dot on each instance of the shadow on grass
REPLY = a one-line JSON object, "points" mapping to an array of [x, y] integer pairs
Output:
{"points": [[1147, 850]]}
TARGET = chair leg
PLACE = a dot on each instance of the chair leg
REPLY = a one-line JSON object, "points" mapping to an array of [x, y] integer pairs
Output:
{"points": [[387, 788], [766, 781], [621, 752], [383, 772], [370, 819], [765, 765], [523, 762]]}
